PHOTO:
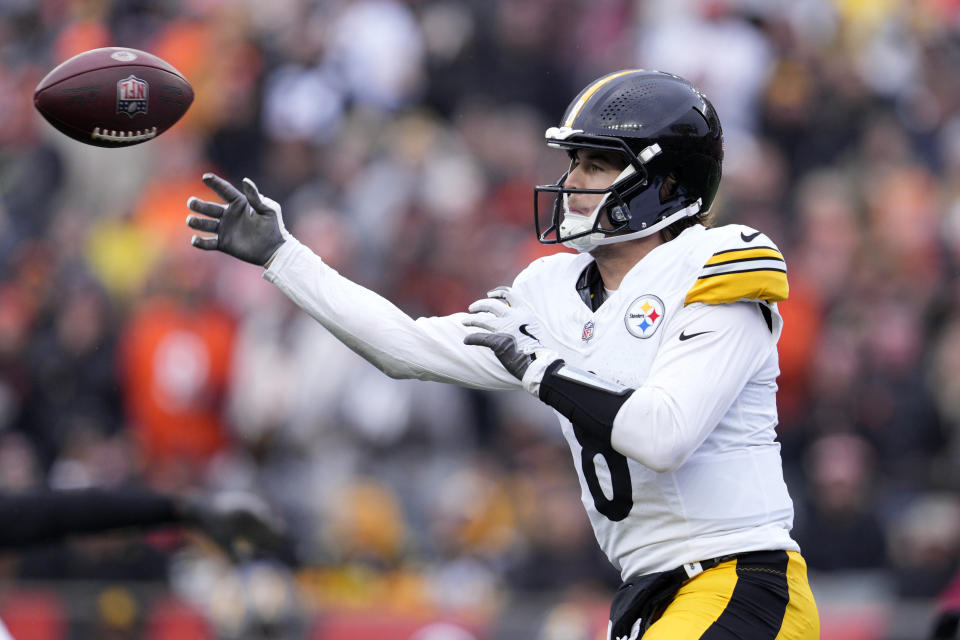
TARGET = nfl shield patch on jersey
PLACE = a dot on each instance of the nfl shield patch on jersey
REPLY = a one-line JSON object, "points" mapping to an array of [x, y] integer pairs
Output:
{"points": [[587, 331], [644, 316]]}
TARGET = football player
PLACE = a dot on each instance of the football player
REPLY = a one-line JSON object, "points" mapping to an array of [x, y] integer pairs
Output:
{"points": [[656, 345]]}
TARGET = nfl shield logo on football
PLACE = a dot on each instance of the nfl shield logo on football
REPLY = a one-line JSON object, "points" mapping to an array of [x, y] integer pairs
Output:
{"points": [[644, 316], [132, 95], [587, 331]]}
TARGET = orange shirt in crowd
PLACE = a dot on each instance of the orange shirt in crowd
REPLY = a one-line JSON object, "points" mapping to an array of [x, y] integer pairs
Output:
{"points": [[175, 363]]}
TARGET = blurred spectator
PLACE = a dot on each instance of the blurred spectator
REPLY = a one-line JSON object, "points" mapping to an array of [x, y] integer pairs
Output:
{"points": [[685, 43], [175, 356], [839, 528], [944, 380], [74, 368], [925, 545], [376, 48]]}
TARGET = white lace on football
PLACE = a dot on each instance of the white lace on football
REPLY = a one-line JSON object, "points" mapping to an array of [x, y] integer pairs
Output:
{"points": [[128, 137]]}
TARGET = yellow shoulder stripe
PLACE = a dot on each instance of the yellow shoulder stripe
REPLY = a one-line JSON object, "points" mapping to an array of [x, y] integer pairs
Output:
{"points": [[732, 255], [765, 284]]}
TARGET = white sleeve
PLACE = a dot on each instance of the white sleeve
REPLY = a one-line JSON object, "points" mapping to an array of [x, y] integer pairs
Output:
{"points": [[692, 383], [426, 348]]}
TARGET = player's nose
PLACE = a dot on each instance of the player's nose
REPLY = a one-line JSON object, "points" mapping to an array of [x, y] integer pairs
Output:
{"points": [[574, 179]]}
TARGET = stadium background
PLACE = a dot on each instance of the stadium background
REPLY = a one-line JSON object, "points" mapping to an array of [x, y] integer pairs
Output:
{"points": [[403, 138]]}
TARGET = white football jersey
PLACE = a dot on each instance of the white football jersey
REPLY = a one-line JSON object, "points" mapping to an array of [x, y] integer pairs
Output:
{"points": [[693, 470]]}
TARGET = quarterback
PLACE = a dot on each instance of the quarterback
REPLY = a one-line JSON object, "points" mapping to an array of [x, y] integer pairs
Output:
{"points": [[656, 345]]}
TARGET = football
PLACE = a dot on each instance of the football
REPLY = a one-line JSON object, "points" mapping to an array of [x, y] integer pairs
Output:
{"points": [[113, 97]]}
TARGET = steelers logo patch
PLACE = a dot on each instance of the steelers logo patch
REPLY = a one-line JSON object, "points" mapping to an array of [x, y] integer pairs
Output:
{"points": [[644, 316]]}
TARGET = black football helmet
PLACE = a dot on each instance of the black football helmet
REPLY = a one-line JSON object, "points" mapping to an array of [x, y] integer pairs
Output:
{"points": [[664, 127]]}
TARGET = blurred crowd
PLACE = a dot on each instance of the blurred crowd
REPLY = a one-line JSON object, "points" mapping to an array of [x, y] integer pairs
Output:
{"points": [[403, 138]]}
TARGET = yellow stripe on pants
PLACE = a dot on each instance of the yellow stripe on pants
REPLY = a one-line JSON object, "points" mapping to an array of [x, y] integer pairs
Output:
{"points": [[698, 603], [701, 601], [801, 620]]}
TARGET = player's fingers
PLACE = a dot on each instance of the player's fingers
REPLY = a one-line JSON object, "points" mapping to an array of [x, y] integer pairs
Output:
{"points": [[203, 224], [501, 343], [507, 295], [207, 244], [270, 203], [222, 188], [253, 196], [494, 306], [213, 209], [480, 339], [481, 321], [500, 293]]}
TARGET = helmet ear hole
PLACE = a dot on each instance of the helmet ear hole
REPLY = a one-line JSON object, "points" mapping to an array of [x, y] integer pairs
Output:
{"points": [[618, 214], [669, 186]]}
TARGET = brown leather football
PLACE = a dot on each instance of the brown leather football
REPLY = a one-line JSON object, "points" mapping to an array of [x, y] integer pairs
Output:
{"points": [[113, 97]]}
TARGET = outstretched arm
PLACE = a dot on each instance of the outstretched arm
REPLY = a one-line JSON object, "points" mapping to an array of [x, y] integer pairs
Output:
{"points": [[250, 227]]}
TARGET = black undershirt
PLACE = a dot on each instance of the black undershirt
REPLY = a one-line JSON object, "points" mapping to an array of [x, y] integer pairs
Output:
{"points": [[590, 287]]}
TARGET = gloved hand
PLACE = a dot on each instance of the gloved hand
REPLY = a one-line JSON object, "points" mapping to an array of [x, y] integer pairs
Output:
{"points": [[239, 522], [249, 227], [511, 334]]}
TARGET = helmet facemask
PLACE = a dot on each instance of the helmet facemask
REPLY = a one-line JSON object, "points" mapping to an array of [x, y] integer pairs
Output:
{"points": [[610, 221]]}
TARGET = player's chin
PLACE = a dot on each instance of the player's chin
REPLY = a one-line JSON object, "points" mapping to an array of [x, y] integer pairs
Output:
{"points": [[577, 213]]}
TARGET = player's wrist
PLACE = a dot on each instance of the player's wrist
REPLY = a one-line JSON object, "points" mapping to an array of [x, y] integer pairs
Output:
{"points": [[271, 253], [283, 255], [543, 360]]}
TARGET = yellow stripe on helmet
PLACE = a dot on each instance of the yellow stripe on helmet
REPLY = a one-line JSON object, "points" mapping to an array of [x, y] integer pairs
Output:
{"points": [[592, 89]]}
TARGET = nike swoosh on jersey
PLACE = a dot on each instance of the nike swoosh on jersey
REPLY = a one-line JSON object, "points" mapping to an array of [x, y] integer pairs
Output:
{"points": [[749, 238], [687, 336], [523, 330]]}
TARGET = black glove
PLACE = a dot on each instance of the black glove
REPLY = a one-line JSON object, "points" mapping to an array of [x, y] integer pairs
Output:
{"points": [[249, 227], [505, 348], [241, 523]]}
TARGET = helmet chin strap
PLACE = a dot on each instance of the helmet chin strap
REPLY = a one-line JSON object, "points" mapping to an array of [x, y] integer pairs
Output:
{"points": [[574, 223], [589, 241], [583, 243]]}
